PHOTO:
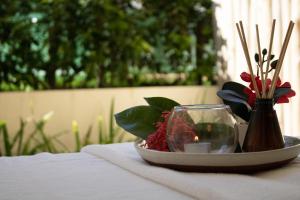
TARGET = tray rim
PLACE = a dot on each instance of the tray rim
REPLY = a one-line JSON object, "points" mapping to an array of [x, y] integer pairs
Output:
{"points": [[137, 144], [220, 162]]}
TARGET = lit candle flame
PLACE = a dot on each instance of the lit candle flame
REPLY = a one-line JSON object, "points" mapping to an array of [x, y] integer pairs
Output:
{"points": [[196, 139]]}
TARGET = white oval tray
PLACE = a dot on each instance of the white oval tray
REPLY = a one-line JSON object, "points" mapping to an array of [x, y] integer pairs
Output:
{"points": [[222, 162]]}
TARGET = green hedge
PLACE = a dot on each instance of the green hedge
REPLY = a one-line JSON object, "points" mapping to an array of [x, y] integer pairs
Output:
{"points": [[53, 44]]}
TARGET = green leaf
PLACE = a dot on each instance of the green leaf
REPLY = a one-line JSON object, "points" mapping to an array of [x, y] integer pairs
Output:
{"points": [[111, 121], [139, 121], [161, 103], [40, 128], [233, 95], [7, 144], [100, 130], [236, 87], [239, 109], [86, 140], [280, 92], [237, 104]]}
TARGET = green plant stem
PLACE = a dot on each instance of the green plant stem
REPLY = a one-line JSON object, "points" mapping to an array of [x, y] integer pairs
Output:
{"points": [[111, 121], [40, 128], [7, 145], [65, 148], [100, 130], [87, 136], [77, 140], [28, 142], [19, 136]]}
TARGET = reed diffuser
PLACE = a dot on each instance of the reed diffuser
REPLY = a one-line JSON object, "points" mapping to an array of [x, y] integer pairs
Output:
{"points": [[263, 131]]}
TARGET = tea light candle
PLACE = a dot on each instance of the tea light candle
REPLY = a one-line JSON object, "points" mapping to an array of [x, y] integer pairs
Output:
{"points": [[197, 147]]}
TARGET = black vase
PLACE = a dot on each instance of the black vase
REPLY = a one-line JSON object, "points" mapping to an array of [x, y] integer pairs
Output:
{"points": [[263, 131]]}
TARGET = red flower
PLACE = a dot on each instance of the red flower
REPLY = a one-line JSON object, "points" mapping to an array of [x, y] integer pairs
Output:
{"points": [[284, 98], [259, 84], [285, 85], [246, 77], [251, 96], [251, 92], [278, 83], [157, 140]]}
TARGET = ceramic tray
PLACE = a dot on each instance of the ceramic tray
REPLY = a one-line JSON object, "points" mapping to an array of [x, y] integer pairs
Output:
{"points": [[223, 162]]}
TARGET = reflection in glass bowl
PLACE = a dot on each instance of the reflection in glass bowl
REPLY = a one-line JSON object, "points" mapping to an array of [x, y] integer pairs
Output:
{"points": [[199, 128]]}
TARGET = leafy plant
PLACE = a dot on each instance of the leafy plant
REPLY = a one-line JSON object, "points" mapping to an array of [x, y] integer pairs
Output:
{"points": [[140, 120], [80, 44], [115, 134], [23, 143]]}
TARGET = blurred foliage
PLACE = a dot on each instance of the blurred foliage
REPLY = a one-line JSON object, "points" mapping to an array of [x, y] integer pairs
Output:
{"points": [[25, 142], [28, 143], [53, 44]]}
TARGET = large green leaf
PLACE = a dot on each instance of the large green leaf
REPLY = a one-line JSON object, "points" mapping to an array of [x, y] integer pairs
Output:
{"points": [[230, 95], [239, 109], [161, 103], [233, 95], [236, 87], [139, 121]]}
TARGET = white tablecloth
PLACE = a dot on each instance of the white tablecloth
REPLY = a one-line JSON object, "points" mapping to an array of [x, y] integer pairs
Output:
{"points": [[117, 172]]}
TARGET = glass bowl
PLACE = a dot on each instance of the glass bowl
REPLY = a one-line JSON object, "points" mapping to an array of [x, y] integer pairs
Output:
{"points": [[209, 128]]}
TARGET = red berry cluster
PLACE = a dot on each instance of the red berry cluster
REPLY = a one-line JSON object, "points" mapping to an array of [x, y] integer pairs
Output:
{"points": [[158, 140], [181, 132]]}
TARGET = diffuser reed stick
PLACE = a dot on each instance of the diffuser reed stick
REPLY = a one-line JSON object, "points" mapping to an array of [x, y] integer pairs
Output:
{"points": [[280, 60], [246, 53], [260, 62], [269, 54]]}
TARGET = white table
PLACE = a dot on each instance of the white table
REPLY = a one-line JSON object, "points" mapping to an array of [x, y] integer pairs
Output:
{"points": [[117, 172]]}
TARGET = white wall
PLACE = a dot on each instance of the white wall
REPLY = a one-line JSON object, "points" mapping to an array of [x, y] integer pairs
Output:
{"points": [[262, 12]]}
